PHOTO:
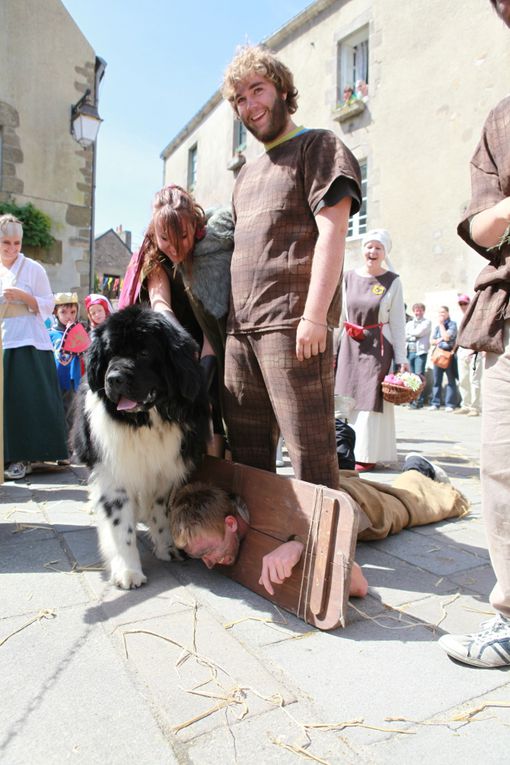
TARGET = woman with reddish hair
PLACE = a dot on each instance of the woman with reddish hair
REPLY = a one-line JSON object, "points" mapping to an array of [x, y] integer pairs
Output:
{"points": [[183, 270]]}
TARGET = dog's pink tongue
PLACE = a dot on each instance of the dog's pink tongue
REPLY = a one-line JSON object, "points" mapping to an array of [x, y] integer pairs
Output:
{"points": [[125, 404]]}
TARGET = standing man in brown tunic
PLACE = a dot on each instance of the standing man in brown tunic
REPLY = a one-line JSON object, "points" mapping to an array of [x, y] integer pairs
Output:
{"points": [[291, 208], [486, 225]]}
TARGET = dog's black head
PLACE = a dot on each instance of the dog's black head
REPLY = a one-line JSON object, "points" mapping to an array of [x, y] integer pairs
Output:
{"points": [[139, 359]]}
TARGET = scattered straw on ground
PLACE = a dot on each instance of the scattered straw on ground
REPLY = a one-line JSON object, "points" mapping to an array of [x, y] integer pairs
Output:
{"points": [[234, 699], [298, 750], [44, 613], [22, 527], [462, 717]]}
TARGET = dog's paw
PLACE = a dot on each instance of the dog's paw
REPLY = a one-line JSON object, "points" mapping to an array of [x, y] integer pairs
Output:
{"points": [[128, 579], [162, 553], [176, 554], [168, 553]]}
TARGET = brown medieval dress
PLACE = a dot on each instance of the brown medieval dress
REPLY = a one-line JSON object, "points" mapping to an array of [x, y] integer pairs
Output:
{"points": [[361, 367]]}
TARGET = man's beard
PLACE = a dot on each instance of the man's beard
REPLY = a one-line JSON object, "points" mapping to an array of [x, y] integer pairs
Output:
{"points": [[278, 120]]}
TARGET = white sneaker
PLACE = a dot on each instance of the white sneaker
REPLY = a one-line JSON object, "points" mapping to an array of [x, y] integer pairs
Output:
{"points": [[440, 475], [488, 648], [449, 409], [433, 408], [17, 470]]}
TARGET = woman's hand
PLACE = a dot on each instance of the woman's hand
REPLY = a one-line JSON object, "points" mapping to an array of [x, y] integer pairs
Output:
{"points": [[278, 564], [404, 367], [14, 294], [17, 295]]}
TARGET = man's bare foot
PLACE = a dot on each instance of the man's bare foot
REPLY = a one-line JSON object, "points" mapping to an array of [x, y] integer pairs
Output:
{"points": [[359, 585]]}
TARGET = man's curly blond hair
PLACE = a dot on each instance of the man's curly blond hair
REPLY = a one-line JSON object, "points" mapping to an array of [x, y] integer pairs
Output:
{"points": [[257, 59]]}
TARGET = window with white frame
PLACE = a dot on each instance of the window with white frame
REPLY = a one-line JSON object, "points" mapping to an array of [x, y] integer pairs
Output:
{"points": [[192, 167], [239, 136], [358, 222], [352, 62]]}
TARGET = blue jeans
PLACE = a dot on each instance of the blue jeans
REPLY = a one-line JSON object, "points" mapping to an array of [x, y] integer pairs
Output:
{"points": [[452, 395], [417, 365]]}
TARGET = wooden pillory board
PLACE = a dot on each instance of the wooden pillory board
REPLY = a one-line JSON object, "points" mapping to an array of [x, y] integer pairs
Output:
{"points": [[325, 520]]}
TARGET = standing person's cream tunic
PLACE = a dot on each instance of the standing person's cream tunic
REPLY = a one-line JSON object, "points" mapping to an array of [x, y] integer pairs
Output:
{"points": [[360, 369]]}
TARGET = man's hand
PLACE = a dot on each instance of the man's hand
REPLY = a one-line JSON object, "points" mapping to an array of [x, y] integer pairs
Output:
{"points": [[278, 564], [310, 339]]}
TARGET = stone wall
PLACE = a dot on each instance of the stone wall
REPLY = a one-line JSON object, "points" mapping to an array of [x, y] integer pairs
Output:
{"points": [[46, 65]]}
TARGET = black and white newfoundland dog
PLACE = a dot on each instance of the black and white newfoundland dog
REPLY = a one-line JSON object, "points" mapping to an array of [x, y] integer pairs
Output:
{"points": [[141, 425]]}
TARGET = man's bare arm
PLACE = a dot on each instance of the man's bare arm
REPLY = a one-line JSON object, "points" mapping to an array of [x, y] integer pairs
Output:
{"points": [[278, 564], [488, 226], [332, 223]]}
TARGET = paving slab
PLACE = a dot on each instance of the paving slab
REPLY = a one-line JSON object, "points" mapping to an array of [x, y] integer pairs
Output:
{"points": [[459, 613], [190, 664], [273, 737], [379, 668], [68, 697], [67, 679], [429, 554], [444, 741], [394, 580], [480, 580], [36, 573]]}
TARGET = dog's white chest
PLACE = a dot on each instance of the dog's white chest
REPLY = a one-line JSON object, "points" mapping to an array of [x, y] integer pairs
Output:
{"points": [[144, 460]]}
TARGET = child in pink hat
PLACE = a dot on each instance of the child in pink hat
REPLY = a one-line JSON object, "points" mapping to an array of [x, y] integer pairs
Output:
{"points": [[98, 309]]}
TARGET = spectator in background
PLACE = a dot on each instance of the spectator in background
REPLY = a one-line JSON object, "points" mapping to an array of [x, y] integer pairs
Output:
{"points": [[349, 95], [98, 309], [361, 90], [68, 363], [445, 335], [470, 374], [418, 343], [373, 300], [33, 415]]}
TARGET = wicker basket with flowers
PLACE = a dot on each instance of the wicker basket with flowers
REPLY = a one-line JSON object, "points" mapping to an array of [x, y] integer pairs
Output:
{"points": [[402, 388]]}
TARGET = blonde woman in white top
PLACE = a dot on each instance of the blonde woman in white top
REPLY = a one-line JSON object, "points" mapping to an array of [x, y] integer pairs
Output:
{"points": [[33, 417]]}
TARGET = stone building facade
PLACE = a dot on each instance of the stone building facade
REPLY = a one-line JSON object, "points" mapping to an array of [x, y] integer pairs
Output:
{"points": [[414, 132], [46, 65], [112, 256]]}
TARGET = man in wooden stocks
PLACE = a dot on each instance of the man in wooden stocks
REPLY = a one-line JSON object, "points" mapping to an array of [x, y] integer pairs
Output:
{"points": [[208, 523]]}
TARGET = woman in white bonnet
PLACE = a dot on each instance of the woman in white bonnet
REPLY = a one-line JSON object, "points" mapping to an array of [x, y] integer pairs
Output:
{"points": [[33, 416], [373, 299]]}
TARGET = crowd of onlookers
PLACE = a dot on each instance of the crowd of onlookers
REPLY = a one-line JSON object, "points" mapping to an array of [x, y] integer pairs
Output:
{"points": [[462, 392]]}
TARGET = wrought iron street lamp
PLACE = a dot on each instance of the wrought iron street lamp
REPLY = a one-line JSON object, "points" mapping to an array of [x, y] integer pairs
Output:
{"points": [[85, 120], [85, 124]]}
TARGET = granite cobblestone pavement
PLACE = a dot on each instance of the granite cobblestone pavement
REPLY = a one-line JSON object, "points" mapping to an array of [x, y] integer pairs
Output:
{"points": [[192, 668]]}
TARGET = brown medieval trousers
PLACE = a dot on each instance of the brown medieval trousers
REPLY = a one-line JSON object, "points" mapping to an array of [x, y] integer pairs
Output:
{"points": [[275, 200], [487, 328]]}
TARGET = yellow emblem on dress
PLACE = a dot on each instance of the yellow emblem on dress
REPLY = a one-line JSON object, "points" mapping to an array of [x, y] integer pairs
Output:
{"points": [[378, 289]]}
